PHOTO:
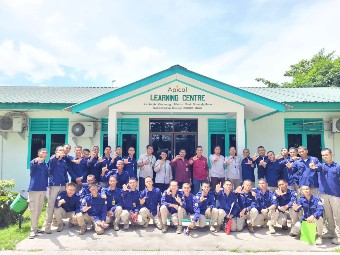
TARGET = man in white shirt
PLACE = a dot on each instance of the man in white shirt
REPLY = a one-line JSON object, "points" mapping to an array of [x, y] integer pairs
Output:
{"points": [[146, 162], [233, 172], [217, 172]]}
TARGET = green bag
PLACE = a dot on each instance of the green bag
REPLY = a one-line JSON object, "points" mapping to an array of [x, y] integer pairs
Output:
{"points": [[308, 232]]}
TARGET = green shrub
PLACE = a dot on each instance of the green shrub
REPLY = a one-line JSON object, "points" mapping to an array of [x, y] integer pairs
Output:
{"points": [[7, 216]]}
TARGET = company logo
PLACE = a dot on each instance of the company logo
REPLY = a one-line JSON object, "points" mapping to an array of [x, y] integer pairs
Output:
{"points": [[177, 89]]}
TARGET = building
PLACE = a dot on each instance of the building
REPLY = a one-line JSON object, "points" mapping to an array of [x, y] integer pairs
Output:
{"points": [[175, 108]]}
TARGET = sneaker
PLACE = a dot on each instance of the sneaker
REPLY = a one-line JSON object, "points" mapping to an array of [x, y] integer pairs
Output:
{"points": [[336, 241], [212, 229], [116, 227], [272, 229], [60, 228], [40, 231], [328, 236], [218, 228], [179, 229], [146, 224], [318, 240], [164, 229], [48, 230], [284, 227], [32, 235], [126, 226], [250, 229], [292, 234], [82, 231], [186, 231]]}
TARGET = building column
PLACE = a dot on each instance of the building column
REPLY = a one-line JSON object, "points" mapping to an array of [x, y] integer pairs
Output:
{"points": [[112, 127], [240, 132]]}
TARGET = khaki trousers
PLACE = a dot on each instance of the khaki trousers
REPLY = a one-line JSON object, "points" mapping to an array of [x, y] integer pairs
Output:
{"points": [[84, 218], [35, 204], [213, 216], [61, 214], [126, 217], [257, 218], [146, 215], [116, 216], [165, 214], [296, 229], [283, 217], [182, 213], [237, 223], [53, 192], [332, 213]]}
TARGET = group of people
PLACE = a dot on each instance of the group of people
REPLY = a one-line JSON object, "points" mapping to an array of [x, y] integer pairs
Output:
{"points": [[108, 190]]}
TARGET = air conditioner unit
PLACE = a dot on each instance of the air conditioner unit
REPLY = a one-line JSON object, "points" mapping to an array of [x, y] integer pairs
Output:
{"points": [[11, 124], [336, 125], [83, 129]]}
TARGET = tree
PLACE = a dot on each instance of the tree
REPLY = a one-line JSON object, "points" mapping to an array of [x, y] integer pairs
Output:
{"points": [[323, 70]]}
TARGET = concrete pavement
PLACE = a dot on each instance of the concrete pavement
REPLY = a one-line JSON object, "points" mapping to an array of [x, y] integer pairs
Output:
{"points": [[151, 239]]}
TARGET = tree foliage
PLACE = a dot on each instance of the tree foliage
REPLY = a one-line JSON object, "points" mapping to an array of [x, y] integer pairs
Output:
{"points": [[322, 70]]}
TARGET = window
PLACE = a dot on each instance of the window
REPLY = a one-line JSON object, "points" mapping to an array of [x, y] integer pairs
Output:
{"points": [[222, 132], [46, 133], [305, 132]]}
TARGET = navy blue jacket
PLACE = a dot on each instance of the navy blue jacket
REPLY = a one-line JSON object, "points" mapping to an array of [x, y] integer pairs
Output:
{"points": [[188, 204], [273, 173], [170, 199], [72, 204], [78, 170], [203, 206], [225, 202], [329, 179], [99, 166], [261, 171], [306, 175], [57, 171], [113, 165], [290, 177], [312, 207], [286, 199], [113, 198], [131, 168], [122, 178], [131, 200], [248, 170], [98, 207], [85, 191], [265, 200], [94, 169], [39, 177], [153, 199], [246, 200]]}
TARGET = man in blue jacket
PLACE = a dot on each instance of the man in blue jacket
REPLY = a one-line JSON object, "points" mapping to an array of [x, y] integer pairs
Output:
{"points": [[131, 204], [104, 162], [78, 169], [91, 163], [93, 209], [205, 207], [171, 201], [273, 171], [67, 205], [57, 170], [312, 212], [37, 189], [150, 200], [113, 196]]}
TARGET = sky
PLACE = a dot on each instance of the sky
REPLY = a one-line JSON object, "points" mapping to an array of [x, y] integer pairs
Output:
{"points": [[93, 43]]}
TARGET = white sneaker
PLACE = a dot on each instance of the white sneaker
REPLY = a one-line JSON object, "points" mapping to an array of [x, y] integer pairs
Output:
{"points": [[318, 240], [32, 235], [272, 229]]}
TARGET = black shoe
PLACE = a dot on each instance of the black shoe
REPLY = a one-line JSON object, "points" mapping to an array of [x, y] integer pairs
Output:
{"points": [[284, 227], [293, 235]]}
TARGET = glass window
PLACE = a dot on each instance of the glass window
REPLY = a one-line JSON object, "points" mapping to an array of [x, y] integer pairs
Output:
{"points": [[232, 141], [129, 140], [185, 125], [294, 140], [160, 143], [217, 139], [187, 142], [105, 142], [56, 140], [38, 141], [314, 145], [161, 126]]}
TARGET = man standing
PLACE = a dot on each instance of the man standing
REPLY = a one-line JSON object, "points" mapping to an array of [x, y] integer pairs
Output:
{"points": [[181, 165], [233, 172], [146, 162], [67, 205], [200, 169], [273, 171], [78, 168], [150, 200], [131, 204], [285, 200], [261, 160], [266, 203], [302, 167], [37, 189], [171, 201], [329, 187], [227, 206], [113, 196], [312, 212], [93, 210], [116, 156], [205, 207], [217, 172], [102, 162], [57, 180], [130, 164], [291, 178], [248, 166], [91, 163]]}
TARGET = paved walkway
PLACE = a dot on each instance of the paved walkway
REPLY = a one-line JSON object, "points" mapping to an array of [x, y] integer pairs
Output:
{"points": [[148, 253], [151, 239]]}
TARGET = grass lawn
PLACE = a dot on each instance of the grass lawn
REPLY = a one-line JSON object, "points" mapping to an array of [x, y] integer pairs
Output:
{"points": [[12, 235]]}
